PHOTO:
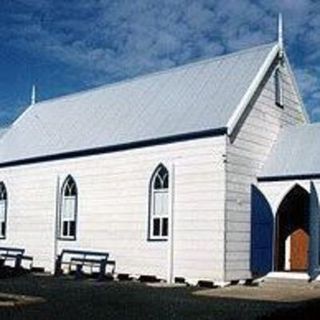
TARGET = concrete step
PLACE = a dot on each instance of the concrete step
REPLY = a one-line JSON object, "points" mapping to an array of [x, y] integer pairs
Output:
{"points": [[284, 282], [288, 279]]}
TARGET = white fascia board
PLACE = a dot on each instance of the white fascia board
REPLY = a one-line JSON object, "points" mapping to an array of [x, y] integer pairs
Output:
{"points": [[252, 89]]}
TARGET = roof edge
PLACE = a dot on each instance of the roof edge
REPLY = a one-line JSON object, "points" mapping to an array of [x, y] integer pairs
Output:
{"points": [[116, 148], [235, 117], [306, 176]]}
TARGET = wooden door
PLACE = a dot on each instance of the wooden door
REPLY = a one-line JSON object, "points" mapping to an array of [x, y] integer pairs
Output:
{"points": [[299, 250]]}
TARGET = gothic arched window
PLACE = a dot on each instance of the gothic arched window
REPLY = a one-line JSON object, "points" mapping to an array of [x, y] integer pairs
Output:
{"points": [[3, 210], [159, 204], [68, 209]]}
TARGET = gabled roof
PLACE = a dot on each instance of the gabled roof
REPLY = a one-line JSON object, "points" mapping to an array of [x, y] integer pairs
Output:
{"points": [[295, 154], [194, 98]]}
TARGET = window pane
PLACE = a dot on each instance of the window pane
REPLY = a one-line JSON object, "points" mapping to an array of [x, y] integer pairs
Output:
{"points": [[70, 188], [3, 229], [69, 208], [3, 192], [164, 226], [157, 183], [166, 182], [72, 228], [2, 210], [163, 172], [73, 190], [66, 191], [65, 228], [161, 203], [161, 178], [156, 227]]}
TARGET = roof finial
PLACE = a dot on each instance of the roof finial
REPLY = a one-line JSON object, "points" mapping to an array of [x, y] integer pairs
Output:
{"points": [[280, 35], [33, 95]]}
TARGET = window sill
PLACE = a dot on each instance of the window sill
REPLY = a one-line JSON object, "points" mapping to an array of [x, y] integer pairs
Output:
{"points": [[67, 239], [157, 239]]}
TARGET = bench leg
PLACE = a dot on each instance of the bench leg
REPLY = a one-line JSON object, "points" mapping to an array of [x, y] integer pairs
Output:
{"points": [[57, 269], [17, 264], [102, 271], [79, 273], [113, 263]]}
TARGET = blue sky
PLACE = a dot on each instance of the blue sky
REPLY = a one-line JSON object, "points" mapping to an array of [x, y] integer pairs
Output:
{"points": [[66, 46]]}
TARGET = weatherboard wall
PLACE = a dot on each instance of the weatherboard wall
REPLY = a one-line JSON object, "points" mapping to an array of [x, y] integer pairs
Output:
{"points": [[246, 153], [113, 208]]}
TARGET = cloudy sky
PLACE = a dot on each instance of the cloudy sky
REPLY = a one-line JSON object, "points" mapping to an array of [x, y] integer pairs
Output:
{"points": [[66, 46]]}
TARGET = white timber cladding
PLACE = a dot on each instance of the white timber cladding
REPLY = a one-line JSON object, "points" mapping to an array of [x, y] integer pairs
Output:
{"points": [[112, 215], [245, 157]]}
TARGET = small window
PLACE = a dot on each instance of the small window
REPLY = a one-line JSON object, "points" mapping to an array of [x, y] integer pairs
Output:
{"points": [[68, 209], [159, 204], [278, 87], [3, 210]]}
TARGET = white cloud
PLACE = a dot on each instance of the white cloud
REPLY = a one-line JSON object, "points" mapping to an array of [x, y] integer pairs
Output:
{"points": [[117, 39], [309, 84]]}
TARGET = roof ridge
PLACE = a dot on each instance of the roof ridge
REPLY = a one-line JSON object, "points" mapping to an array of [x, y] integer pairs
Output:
{"points": [[155, 73]]}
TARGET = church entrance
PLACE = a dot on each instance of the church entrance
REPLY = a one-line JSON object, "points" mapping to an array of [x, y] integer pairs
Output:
{"points": [[292, 232]]}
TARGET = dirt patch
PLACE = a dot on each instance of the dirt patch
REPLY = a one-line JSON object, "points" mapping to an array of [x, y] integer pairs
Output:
{"points": [[268, 293], [13, 300]]}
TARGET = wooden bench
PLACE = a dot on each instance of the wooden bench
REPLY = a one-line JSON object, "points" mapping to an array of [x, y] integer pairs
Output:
{"points": [[81, 258], [14, 254]]}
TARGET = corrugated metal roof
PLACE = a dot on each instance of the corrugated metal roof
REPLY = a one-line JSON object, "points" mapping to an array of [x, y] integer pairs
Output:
{"points": [[195, 97], [296, 153]]}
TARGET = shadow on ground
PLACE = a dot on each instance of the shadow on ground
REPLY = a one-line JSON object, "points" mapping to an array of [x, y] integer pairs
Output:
{"points": [[65, 298]]}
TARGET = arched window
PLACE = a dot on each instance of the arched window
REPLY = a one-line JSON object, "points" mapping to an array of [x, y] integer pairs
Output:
{"points": [[3, 210], [68, 209], [159, 204]]}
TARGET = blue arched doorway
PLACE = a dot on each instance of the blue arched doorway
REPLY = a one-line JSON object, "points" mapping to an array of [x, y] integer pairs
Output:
{"points": [[292, 236]]}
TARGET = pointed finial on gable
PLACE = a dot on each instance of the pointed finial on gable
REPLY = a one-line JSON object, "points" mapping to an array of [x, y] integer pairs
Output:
{"points": [[33, 95], [280, 35]]}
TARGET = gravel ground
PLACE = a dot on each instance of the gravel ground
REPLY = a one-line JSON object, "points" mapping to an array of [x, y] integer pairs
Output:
{"points": [[66, 298]]}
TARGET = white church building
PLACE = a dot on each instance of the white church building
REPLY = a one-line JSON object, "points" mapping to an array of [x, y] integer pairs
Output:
{"points": [[209, 171]]}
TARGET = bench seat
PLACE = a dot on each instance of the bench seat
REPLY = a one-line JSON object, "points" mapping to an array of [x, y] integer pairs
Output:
{"points": [[81, 258], [15, 254]]}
